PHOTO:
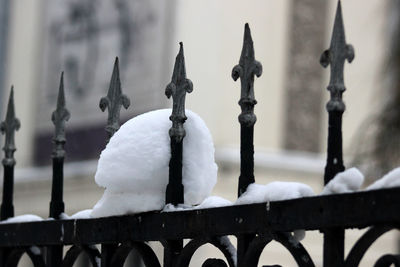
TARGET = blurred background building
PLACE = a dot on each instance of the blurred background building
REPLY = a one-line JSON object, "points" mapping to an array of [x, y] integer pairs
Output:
{"points": [[39, 39]]}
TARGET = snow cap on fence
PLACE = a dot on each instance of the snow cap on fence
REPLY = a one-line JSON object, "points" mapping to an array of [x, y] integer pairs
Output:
{"points": [[134, 166]]}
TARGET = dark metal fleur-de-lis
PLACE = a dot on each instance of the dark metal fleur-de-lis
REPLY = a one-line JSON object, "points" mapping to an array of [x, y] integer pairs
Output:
{"points": [[335, 56], [177, 88], [8, 127], [59, 117], [245, 70], [113, 101]]}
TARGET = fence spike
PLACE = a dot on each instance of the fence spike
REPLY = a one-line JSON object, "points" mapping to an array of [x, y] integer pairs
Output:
{"points": [[59, 117], [8, 127], [177, 88], [113, 101], [335, 56], [247, 68]]}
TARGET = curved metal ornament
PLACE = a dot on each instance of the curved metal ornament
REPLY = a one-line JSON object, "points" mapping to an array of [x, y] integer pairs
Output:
{"points": [[15, 256], [149, 257], [74, 252], [8, 127], [295, 248], [360, 248], [388, 260], [188, 251]]}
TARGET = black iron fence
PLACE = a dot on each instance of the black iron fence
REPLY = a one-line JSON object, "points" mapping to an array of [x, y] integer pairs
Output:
{"points": [[254, 225]]}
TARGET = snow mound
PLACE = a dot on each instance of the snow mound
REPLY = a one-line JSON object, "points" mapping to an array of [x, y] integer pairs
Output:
{"points": [[214, 202], [23, 218], [133, 168], [274, 191], [83, 214], [208, 203], [391, 179], [344, 182]]}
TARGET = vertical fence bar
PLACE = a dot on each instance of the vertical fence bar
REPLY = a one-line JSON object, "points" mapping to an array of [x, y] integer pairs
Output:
{"points": [[54, 254], [335, 56], [247, 68], [8, 127], [177, 88], [59, 117], [114, 100]]}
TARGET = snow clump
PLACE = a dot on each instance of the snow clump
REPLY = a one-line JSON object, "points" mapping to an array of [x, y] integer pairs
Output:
{"points": [[274, 191], [133, 168], [344, 182], [391, 179], [23, 218], [208, 203]]}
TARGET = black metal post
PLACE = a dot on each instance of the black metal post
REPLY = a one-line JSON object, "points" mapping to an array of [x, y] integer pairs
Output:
{"points": [[177, 88], [114, 100], [247, 68], [54, 254], [175, 190], [8, 127], [338, 52], [59, 117], [7, 207]]}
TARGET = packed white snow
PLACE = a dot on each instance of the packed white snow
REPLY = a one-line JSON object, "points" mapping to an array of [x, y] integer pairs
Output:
{"points": [[214, 202], [391, 179], [274, 191], [133, 168], [23, 218], [83, 214], [344, 182], [209, 202]]}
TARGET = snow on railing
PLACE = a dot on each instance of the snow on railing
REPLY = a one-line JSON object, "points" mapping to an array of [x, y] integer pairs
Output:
{"points": [[147, 200]]}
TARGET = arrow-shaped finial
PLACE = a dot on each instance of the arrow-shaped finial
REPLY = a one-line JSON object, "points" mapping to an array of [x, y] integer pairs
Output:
{"points": [[8, 127], [245, 70], [177, 88], [59, 117], [113, 101], [335, 56]]}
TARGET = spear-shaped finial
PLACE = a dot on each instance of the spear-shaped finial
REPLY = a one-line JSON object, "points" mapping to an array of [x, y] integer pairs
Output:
{"points": [[59, 117], [8, 127], [335, 56], [245, 70], [113, 101], [177, 88]]}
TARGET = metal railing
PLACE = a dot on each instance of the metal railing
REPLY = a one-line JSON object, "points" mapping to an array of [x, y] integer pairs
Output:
{"points": [[254, 225]]}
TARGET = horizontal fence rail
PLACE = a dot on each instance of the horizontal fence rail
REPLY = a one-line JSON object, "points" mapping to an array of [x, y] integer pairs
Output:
{"points": [[108, 241], [310, 213]]}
